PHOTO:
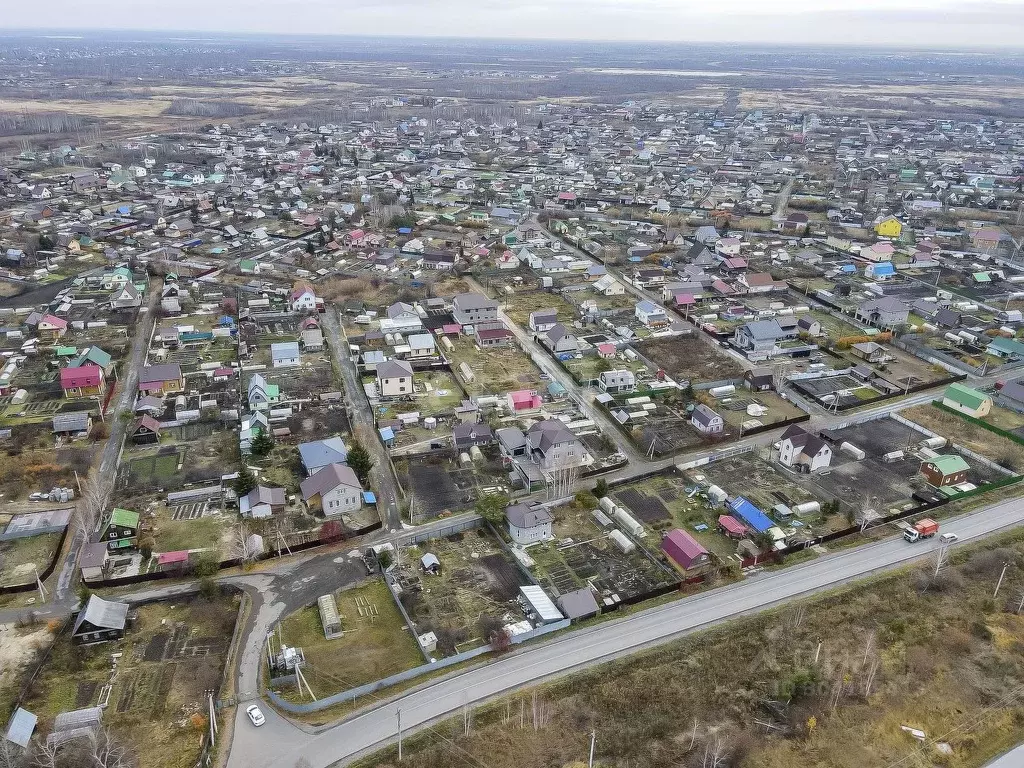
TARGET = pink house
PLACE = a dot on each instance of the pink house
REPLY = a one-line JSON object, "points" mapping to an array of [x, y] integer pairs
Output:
{"points": [[684, 550], [607, 351], [85, 381], [524, 400], [355, 237]]}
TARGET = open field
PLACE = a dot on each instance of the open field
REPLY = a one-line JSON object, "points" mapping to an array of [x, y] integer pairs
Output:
{"points": [[688, 358], [156, 703], [906, 649], [496, 371], [990, 445], [21, 559], [521, 304], [376, 643]]}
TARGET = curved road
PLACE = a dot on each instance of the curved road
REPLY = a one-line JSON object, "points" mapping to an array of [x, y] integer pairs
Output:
{"points": [[281, 744]]}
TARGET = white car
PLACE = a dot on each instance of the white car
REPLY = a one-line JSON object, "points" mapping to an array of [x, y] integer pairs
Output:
{"points": [[255, 715], [949, 538]]}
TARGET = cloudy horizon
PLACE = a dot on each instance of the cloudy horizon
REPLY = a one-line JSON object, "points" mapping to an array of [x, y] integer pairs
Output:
{"points": [[912, 23]]}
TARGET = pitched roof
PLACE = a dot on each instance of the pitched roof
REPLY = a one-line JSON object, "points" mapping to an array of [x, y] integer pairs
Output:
{"points": [[320, 452], [522, 516], [125, 518], [327, 479], [103, 614], [394, 368], [152, 374], [965, 396], [950, 464], [83, 376]]}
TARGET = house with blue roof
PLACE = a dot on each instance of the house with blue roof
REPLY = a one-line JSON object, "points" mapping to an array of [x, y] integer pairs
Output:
{"points": [[650, 314], [750, 514], [319, 453], [880, 270]]}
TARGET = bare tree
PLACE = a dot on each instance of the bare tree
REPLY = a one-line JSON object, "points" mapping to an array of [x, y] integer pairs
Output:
{"points": [[95, 498], [244, 548]]}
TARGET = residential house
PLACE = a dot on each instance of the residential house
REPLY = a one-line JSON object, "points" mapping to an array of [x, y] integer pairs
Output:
{"points": [[320, 453], [523, 400], [759, 339], [121, 529], [252, 425], [262, 501], [756, 282], [878, 252], [51, 327], [869, 351], [808, 325], [126, 297], [401, 317], [394, 379], [93, 561], [73, 423], [706, 420], [617, 382], [560, 341], [943, 471], [543, 320], [554, 446], [759, 380], [422, 345], [967, 400], [144, 430], [528, 525], [333, 489], [465, 436], [470, 308], [889, 226], [302, 298], [1011, 395], [161, 379], [261, 394], [1007, 349], [684, 550], [886, 313], [285, 354], [798, 449], [650, 314], [609, 286], [84, 381], [100, 621], [492, 334], [441, 261]]}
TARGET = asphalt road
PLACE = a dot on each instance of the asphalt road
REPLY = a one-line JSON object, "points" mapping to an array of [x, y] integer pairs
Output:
{"points": [[280, 744], [1012, 759]]}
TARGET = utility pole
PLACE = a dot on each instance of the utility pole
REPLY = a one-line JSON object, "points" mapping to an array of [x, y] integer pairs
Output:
{"points": [[593, 740], [1000, 582], [399, 735]]}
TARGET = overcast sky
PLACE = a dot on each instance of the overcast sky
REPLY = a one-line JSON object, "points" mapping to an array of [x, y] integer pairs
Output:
{"points": [[929, 23]]}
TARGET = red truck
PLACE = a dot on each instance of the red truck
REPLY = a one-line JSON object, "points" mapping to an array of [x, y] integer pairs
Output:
{"points": [[922, 529]]}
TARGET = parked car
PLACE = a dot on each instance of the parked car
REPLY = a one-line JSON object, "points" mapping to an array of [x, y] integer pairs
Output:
{"points": [[255, 715]]}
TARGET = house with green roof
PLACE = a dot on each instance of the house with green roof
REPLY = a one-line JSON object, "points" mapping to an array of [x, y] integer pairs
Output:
{"points": [[964, 399], [95, 356], [121, 530], [1008, 349], [944, 471]]}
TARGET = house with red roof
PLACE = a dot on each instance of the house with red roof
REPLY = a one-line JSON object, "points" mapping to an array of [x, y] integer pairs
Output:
{"points": [[524, 400], [51, 327], [354, 238], [84, 381], [731, 527], [684, 550]]}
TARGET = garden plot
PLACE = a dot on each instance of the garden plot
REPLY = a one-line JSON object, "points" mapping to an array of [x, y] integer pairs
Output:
{"points": [[691, 359], [847, 389], [734, 409], [581, 554], [978, 439], [376, 642], [475, 593], [156, 470], [519, 306], [22, 559], [437, 484], [156, 694], [668, 431], [495, 371]]}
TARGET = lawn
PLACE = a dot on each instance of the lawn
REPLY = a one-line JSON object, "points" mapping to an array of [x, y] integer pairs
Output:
{"points": [[495, 370], [170, 656], [520, 305], [376, 642], [155, 469], [1004, 418], [172, 535], [20, 559], [834, 678], [437, 393], [980, 440]]}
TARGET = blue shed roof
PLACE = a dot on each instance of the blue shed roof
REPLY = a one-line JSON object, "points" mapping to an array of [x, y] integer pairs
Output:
{"points": [[750, 514]]}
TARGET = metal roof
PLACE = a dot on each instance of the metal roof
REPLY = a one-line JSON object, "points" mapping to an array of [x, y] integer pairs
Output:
{"points": [[103, 614], [20, 729], [541, 604]]}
